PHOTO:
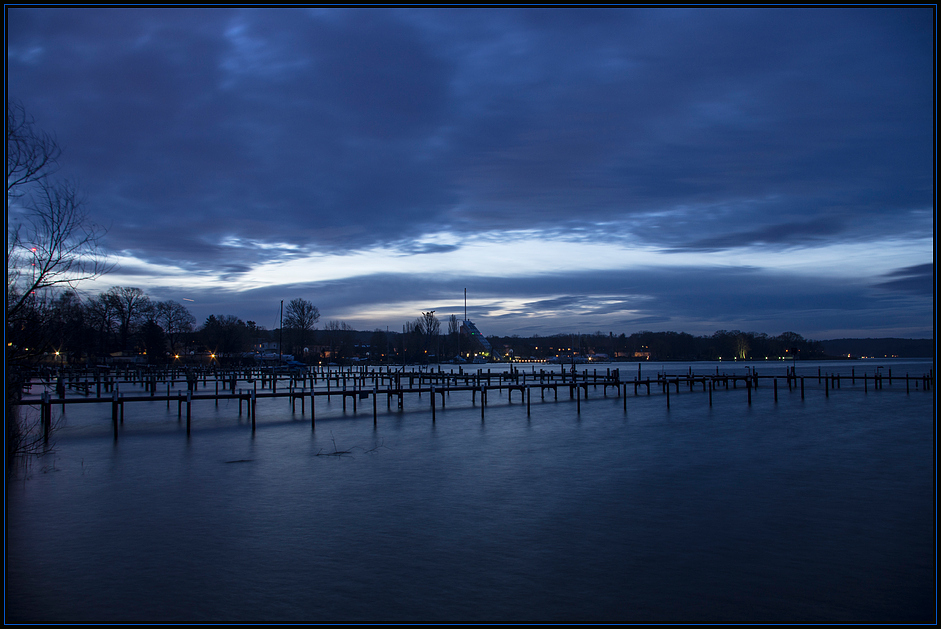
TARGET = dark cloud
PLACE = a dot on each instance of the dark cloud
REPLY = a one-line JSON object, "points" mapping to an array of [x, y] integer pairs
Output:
{"points": [[914, 279], [791, 234], [341, 128], [214, 140], [415, 248]]}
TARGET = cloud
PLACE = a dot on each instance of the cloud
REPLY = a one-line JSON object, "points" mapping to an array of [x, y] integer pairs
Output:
{"points": [[356, 127], [418, 248], [224, 141], [919, 280], [693, 300], [790, 234]]}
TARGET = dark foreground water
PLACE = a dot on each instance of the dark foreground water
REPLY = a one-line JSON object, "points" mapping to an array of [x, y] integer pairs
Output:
{"points": [[821, 510]]}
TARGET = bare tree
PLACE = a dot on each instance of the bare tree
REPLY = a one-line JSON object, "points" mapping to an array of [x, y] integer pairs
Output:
{"points": [[431, 327], [102, 319], [301, 319], [175, 319], [51, 241], [131, 306], [32, 154]]}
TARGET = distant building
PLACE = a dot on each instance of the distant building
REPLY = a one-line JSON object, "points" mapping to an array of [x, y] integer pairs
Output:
{"points": [[265, 347], [476, 343]]}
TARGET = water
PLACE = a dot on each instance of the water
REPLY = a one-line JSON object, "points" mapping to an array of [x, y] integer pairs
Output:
{"points": [[813, 511]]}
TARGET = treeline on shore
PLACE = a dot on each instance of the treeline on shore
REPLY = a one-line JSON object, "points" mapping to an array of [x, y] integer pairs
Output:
{"points": [[123, 323], [880, 348]]}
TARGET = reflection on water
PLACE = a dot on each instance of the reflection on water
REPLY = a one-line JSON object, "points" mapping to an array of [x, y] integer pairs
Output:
{"points": [[821, 510]]}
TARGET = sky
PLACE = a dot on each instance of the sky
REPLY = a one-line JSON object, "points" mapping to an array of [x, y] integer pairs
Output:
{"points": [[576, 170]]}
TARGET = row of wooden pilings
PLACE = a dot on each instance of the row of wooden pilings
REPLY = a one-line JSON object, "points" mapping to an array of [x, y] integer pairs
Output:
{"points": [[440, 383], [269, 378]]}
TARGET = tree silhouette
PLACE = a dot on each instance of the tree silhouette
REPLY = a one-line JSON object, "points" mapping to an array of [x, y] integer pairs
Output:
{"points": [[175, 319], [225, 335], [300, 320], [131, 306], [51, 241]]}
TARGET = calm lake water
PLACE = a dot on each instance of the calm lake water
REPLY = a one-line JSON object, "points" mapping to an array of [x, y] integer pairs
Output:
{"points": [[821, 510]]}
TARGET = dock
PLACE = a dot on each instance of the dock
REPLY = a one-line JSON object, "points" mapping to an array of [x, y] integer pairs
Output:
{"points": [[405, 387]]}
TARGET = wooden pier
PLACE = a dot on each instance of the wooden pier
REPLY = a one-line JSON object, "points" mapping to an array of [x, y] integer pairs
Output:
{"points": [[355, 384]]}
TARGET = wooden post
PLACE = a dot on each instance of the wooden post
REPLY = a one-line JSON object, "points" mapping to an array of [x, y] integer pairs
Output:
{"points": [[529, 396], [189, 404], [375, 394], [313, 419], [432, 403], [775, 389], [45, 415], [114, 413]]}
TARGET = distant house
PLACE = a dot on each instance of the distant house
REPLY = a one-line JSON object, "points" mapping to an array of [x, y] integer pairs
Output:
{"points": [[266, 347]]}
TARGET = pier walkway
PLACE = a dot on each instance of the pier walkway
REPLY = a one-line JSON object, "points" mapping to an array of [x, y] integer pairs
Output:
{"points": [[128, 385]]}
